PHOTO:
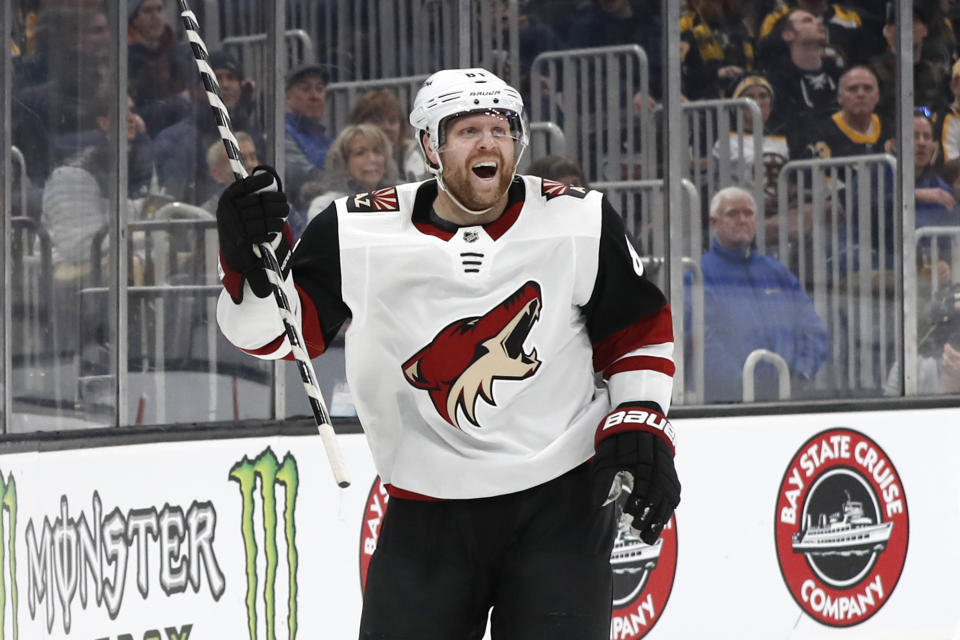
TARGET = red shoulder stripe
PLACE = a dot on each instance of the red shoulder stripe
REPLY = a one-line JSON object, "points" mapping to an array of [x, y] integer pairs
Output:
{"points": [[655, 328]]}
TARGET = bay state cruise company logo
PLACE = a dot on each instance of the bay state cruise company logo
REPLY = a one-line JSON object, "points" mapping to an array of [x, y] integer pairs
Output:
{"points": [[643, 577], [276, 589], [841, 527], [642, 574]]}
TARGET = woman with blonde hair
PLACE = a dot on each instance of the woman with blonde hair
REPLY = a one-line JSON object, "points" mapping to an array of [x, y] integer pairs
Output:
{"points": [[382, 108], [359, 160]]}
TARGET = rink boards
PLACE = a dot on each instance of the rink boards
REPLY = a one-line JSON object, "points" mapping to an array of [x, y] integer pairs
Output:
{"points": [[826, 525]]}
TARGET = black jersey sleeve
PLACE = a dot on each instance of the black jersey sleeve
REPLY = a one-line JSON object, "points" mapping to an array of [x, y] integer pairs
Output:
{"points": [[316, 274], [627, 314], [622, 293]]}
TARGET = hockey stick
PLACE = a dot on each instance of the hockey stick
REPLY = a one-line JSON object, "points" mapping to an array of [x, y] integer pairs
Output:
{"points": [[274, 274]]}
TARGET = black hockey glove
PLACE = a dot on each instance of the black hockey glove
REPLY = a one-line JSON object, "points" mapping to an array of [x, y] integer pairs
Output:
{"points": [[635, 455], [250, 212]]}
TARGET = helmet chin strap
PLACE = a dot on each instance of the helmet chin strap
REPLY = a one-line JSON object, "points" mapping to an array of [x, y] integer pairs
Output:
{"points": [[443, 185], [438, 174]]}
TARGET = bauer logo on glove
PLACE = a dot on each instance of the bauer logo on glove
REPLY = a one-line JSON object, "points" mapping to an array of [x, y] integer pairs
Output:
{"points": [[633, 417], [635, 456]]}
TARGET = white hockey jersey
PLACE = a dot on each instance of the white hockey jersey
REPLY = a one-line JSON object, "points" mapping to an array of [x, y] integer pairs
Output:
{"points": [[471, 351]]}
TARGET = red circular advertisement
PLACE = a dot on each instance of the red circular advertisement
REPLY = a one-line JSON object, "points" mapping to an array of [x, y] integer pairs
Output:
{"points": [[642, 581], [841, 527], [376, 507], [642, 574]]}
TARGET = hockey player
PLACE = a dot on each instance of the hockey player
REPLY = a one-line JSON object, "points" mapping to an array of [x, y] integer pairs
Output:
{"points": [[481, 303]]}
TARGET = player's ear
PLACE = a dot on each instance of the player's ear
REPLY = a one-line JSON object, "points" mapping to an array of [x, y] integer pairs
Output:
{"points": [[432, 156]]}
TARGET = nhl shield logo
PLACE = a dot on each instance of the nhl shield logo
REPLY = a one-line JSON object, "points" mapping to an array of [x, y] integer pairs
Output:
{"points": [[841, 527]]}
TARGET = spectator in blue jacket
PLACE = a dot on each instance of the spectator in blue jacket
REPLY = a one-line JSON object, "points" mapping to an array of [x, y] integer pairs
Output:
{"points": [[752, 301], [307, 139]]}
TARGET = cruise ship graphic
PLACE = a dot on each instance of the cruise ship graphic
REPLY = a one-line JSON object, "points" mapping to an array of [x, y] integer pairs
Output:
{"points": [[631, 554], [847, 532]]}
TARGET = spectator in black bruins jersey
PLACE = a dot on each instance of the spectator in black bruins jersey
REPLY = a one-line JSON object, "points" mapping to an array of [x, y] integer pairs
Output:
{"points": [[716, 47], [854, 130], [848, 41], [929, 80], [774, 146], [950, 172], [776, 153], [940, 44], [948, 122], [804, 81]]}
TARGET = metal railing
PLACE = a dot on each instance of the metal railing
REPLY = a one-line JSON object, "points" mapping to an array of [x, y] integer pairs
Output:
{"points": [[749, 366], [387, 38], [21, 179], [692, 336], [641, 203], [590, 95], [937, 246], [722, 151], [929, 252], [173, 300], [251, 55], [556, 141], [34, 342], [495, 39], [845, 249]]}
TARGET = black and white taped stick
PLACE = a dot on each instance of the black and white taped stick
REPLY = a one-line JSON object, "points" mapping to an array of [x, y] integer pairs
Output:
{"points": [[272, 268]]}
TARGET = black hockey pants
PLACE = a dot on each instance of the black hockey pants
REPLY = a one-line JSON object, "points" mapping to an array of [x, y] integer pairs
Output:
{"points": [[540, 558]]}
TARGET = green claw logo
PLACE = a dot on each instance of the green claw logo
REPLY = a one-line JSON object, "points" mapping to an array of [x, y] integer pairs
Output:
{"points": [[270, 472], [8, 499]]}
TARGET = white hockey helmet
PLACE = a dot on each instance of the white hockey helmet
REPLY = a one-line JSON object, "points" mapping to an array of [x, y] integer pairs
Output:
{"points": [[456, 92]]}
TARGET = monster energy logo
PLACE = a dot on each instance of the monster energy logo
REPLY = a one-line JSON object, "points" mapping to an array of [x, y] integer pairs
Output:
{"points": [[270, 472], [8, 498]]}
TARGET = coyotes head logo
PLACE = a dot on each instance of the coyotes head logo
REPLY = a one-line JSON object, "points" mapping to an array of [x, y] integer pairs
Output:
{"points": [[465, 357]]}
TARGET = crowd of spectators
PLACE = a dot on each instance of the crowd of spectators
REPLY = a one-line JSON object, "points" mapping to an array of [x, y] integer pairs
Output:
{"points": [[822, 75]]}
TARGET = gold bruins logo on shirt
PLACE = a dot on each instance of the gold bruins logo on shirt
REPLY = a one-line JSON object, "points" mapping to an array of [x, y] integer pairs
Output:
{"points": [[820, 150]]}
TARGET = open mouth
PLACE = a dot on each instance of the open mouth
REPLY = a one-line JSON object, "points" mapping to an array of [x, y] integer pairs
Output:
{"points": [[513, 345], [485, 170]]}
